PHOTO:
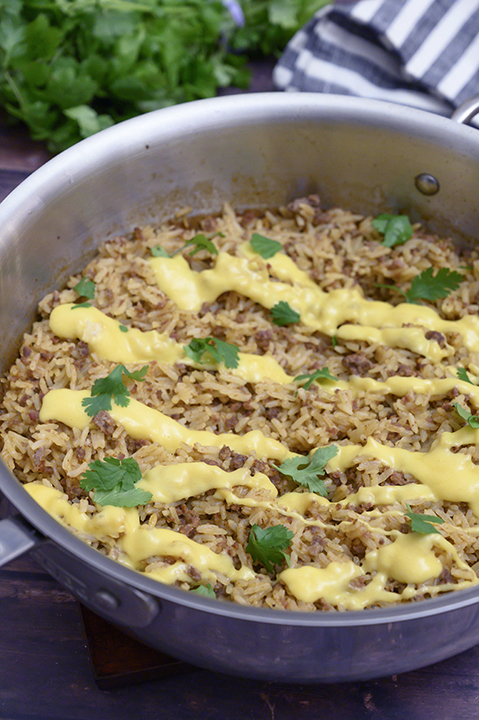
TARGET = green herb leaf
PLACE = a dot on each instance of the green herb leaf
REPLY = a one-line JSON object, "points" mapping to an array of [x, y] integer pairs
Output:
{"points": [[204, 591], [471, 420], [81, 305], [158, 251], [264, 246], [267, 546], [201, 242], [218, 350], [334, 341], [316, 375], [306, 470], [423, 523], [111, 388], [113, 481], [395, 228], [462, 375], [283, 314], [123, 328], [85, 288], [427, 286]]}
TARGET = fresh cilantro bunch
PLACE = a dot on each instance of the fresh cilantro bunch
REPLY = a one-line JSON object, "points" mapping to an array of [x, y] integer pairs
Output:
{"points": [[113, 481], [73, 67], [269, 24]]}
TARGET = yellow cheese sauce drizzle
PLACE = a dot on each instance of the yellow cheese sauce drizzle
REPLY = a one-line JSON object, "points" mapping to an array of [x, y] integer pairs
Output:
{"points": [[410, 558], [171, 483], [109, 342], [105, 337], [329, 312]]}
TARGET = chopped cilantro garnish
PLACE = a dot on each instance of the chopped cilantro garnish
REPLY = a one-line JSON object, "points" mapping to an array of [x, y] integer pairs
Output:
{"points": [[471, 420], [267, 546], [201, 242], [395, 228], [158, 251], [316, 375], [462, 375], [113, 481], [423, 523], [264, 246], [85, 288], [334, 341], [283, 314], [305, 470], [111, 388], [427, 286], [81, 305], [123, 328], [204, 590], [218, 350]]}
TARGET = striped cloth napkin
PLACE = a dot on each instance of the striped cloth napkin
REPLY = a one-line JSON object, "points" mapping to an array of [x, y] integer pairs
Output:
{"points": [[423, 53]]}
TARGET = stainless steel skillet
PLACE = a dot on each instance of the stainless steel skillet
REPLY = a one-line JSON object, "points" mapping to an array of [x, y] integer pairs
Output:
{"points": [[252, 150]]}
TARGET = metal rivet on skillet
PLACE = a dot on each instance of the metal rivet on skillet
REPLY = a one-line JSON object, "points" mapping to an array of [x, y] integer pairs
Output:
{"points": [[426, 184], [105, 600]]}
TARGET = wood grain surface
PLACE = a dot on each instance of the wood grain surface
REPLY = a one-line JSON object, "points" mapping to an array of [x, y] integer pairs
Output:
{"points": [[45, 667]]}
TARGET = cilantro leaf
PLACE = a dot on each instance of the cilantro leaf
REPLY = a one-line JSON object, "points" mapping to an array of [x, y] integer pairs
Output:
{"points": [[111, 388], [305, 471], [81, 305], [462, 375], [423, 523], [204, 591], [316, 375], [264, 246], [283, 314], [471, 420], [85, 288], [158, 251], [395, 228], [427, 286], [113, 481], [123, 328], [201, 242], [267, 546], [218, 350]]}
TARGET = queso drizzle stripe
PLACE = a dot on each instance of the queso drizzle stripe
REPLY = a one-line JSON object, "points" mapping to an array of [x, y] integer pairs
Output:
{"points": [[342, 313]]}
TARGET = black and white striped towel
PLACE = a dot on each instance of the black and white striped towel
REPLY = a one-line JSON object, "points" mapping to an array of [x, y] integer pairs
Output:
{"points": [[423, 53]]}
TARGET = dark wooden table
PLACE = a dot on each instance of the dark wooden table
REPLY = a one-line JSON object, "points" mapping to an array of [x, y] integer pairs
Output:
{"points": [[45, 667]]}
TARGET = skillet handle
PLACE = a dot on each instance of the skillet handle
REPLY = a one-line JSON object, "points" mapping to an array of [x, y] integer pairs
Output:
{"points": [[14, 540], [466, 111]]}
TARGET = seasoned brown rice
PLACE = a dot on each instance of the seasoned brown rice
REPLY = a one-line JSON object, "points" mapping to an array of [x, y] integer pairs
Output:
{"points": [[338, 249]]}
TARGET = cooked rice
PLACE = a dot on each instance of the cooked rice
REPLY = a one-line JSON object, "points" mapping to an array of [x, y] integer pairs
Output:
{"points": [[339, 249]]}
